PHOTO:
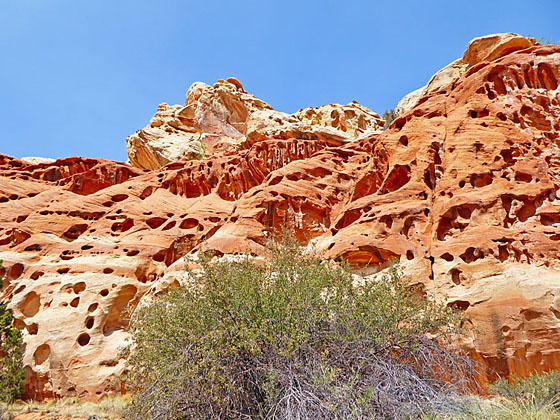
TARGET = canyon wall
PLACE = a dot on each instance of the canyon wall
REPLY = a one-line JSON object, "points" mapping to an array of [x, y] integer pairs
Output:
{"points": [[463, 188]]}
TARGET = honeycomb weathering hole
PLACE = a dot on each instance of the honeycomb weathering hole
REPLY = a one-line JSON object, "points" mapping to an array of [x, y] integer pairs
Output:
{"points": [[122, 226], [36, 275], [83, 339], [79, 287], [397, 178], [447, 257], [89, 322], [169, 225], [75, 231], [119, 197], [32, 329], [461, 305], [15, 271], [155, 222], [41, 354], [30, 305]]}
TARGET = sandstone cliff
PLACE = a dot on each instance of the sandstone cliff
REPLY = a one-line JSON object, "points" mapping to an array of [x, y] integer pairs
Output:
{"points": [[462, 188], [224, 118]]}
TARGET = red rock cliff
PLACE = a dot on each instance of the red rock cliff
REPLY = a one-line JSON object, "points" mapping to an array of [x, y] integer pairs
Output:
{"points": [[462, 187]]}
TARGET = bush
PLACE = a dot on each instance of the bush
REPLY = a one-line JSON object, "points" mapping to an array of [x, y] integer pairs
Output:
{"points": [[12, 374], [540, 389], [536, 397], [389, 116], [291, 338]]}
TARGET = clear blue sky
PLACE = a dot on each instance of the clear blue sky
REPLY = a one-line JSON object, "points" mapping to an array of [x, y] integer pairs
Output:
{"points": [[77, 77]]}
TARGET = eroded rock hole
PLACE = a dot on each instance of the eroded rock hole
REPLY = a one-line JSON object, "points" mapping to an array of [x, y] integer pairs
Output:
{"points": [[155, 222], [447, 257], [188, 223], [169, 225], [83, 339], [399, 176], [119, 197], [15, 271], [461, 305], [30, 305], [89, 322], [41, 354], [36, 275], [32, 329], [456, 276], [74, 231], [79, 287], [471, 254]]}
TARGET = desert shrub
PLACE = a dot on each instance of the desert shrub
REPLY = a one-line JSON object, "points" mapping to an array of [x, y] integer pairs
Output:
{"points": [[389, 116], [292, 337], [535, 398], [541, 40], [539, 389], [12, 374]]}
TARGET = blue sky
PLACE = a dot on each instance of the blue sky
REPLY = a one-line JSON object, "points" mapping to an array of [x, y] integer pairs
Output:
{"points": [[77, 77]]}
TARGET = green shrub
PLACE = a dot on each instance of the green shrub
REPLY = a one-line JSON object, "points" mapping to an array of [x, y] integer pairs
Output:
{"points": [[12, 374], [389, 116], [536, 397], [292, 337], [540, 389]]}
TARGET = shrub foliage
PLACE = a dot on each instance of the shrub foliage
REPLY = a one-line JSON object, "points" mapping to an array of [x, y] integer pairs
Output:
{"points": [[12, 374], [292, 337], [389, 116], [541, 389]]}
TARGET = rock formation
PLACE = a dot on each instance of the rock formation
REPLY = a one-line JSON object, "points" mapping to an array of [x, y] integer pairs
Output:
{"points": [[463, 188], [223, 118], [484, 48]]}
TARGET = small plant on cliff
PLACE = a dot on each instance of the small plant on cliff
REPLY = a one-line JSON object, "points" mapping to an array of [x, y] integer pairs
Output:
{"points": [[389, 116], [12, 374], [292, 337], [542, 40]]}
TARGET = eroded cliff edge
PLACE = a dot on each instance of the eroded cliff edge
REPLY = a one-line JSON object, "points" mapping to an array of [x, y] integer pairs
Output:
{"points": [[462, 188]]}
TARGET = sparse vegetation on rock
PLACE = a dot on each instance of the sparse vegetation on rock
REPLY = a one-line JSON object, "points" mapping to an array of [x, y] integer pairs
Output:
{"points": [[389, 116], [12, 374]]}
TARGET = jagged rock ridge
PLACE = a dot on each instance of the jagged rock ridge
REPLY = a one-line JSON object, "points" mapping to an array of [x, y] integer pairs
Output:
{"points": [[224, 118]]}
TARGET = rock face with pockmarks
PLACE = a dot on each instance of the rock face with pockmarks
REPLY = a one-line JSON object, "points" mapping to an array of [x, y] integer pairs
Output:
{"points": [[463, 188], [224, 118], [484, 48]]}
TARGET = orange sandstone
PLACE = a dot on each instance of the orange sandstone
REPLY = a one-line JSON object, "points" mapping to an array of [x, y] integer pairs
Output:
{"points": [[463, 188]]}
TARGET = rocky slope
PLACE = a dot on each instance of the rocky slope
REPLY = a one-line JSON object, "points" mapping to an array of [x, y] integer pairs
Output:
{"points": [[462, 187]]}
